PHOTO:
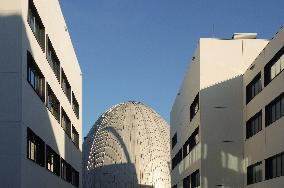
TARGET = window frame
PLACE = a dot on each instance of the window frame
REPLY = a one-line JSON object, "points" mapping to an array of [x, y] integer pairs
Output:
{"points": [[75, 139], [256, 81], [32, 65], [49, 90], [56, 160], [278, 57], [67, 126], [53, 59], [194, 107], [39, 147], [270, 110], [77, 109], [67, 87], [254, 173], [174, 140], [251, 125], [32, 11]]}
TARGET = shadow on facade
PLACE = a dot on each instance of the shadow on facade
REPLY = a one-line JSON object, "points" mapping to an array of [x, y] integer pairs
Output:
{"points": [[21, 108], [222, 134]]}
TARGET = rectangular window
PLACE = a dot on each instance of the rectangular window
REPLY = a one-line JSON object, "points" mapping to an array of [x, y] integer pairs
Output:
{"points": [[254, 125], [253, 88], [65, 85], [195, 179], [274, 166], [75, 178], [175, 186], [274, 110], [53, 59], [66, 171], [191, 142], [174, 140], [254, 173], [75, 137], [186, 182], [194, 107], [36, 24], [75, 105], [52, 161], [274, 67], [282, 62], [35, 148], [177, 159], [52, 103], [35, 77], [65, 123]]}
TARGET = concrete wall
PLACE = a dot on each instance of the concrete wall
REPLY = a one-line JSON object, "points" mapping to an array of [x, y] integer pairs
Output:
{"points": [[180, 120], [22, 107], [269, 141], [216, 73]]}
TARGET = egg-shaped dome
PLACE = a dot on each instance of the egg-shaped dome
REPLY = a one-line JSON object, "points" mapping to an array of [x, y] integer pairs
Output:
{"points": [[127, 147]]}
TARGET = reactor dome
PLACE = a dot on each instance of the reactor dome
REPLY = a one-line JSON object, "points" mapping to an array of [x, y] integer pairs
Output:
{"points": [[128, 147]]}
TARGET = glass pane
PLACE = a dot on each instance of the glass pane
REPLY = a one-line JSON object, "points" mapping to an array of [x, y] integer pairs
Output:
{"points": [[282, 106], [282, 165], [274, 168], [277, 67], [273, 113], [256, 88], [278, 166], [272, 72], [260, 123], [278, 110], [282, 62], [259, 85]]}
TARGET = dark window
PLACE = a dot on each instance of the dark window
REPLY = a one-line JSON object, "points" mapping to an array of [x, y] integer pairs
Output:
{"points": [[35, 148], [52, 103], [253, 88], [274, 67], [191, 142], [254, 173], [53, 59], [65, 123], [35, 77], [254, 125], [274, 166], [274, 110], [52, 161], [177, 159], [194, 107], [75, 178], [66, 171], [195, 179], [175, 186], [65, 85], [174, 140], [186, 182], [75, 105], [36, 24], [75, 137]]}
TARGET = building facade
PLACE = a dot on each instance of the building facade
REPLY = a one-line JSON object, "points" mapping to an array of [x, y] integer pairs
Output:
{"points": [[41, 97], [128, 147], [263, 88], [206, 119]]}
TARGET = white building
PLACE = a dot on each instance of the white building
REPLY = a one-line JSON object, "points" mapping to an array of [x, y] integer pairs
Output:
{"points": [[263, 122], [41, 97], [206, 119], [128, 147]]}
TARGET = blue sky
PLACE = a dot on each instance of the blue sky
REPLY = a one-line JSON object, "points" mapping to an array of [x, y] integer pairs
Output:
{"points": [[140, 49]]}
